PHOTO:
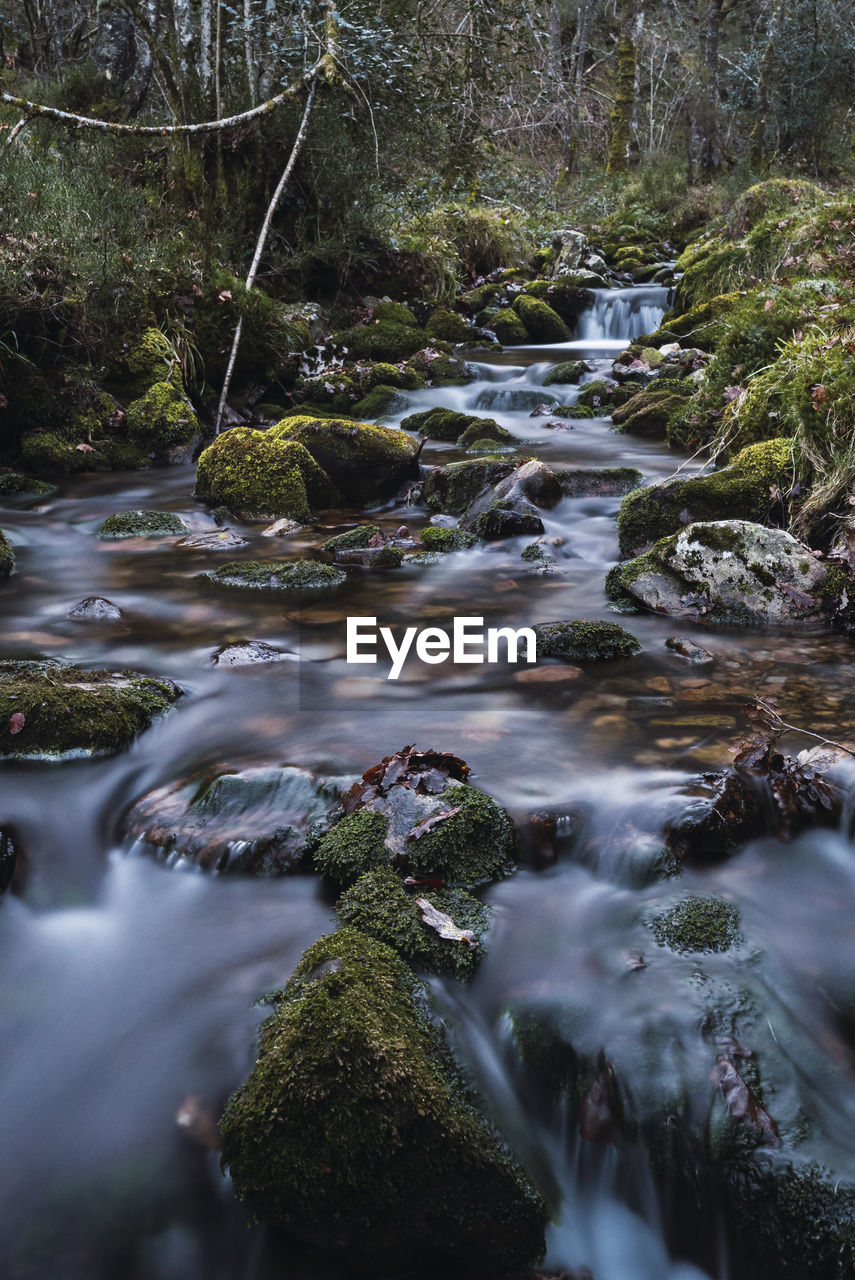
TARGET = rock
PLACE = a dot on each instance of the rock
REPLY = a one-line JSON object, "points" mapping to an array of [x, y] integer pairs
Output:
{"points": [[569, 371], [363, 462], [378, 403], [722, 811], [563, 296], [454, 487], [439, 539], [584, 641], [526, 491], [383, 557], [449, 327], [541, 322], [415, 812], [353, 1131], [648, 413], [697, 925], [569, 248], [280, 575], [385, 339], [385, 907], [506, 325], [13, 482], [248, 821], [142, 524], [440, 369], [54, 709], [281, 528], [501, 523], [361, 536], [96, 608], [742, 491], [163, 423], [730, 571], [7, 557], [248, 653], [514, 399], [225, 539], [597, 482], [254, 473], [688, 649], [486, 436], [448, 424]]}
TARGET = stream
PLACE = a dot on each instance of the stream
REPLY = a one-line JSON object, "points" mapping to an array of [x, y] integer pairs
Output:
{"points": [[128, 985]]}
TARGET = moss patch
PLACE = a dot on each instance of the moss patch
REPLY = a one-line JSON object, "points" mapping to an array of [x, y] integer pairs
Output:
{"points": [[7, 557], [363, 462], [584, 641], [254, 473], [354, 539], [13, 482], [142, 524], [541, 322], [568, 371], [435, 538], [279, 575], [162, 420], [697, 924]]}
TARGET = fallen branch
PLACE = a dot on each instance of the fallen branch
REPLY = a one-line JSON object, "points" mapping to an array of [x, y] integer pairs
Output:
{"points": [[778, 723]]}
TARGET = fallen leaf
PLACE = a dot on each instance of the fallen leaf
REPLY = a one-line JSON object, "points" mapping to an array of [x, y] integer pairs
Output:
{"points": [[427, 824], [84, 448], [741, 1102], [444, 925], [17, 720], [225, 295], [769, 304]]}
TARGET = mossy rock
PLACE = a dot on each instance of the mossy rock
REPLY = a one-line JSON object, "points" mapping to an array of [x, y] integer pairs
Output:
{"points": [[500, 522], [380, 906], [67, 710], [146, 360], [353, 1132], [487, 436], [123, 456], [387, 375], [740, 491], [30, 403], [572, 411], [440, 369], [395, 313], [50, 454], [565, 299], [541, 322], [454, 487], [600, 394], [445, 424], [7, 557], [254, 473], [649, 412], [278, 575], [383, 340], [162, 422], [775, 196], [448, 326], [568, 371], [597, 482], [584, 641], [704, 324], [697, 924], [142, 524], [353, 539], [13, 483], [380, 401], [335, 390], [436, 538], [364, 462], [507, 326]]}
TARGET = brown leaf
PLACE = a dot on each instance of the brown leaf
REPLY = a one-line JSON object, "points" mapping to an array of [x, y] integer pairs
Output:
{"points": [[225, 295], [818, 394], [742, 1103], [444, 925], [427, 824], [769, 304], [84, 448], [17, 720]]}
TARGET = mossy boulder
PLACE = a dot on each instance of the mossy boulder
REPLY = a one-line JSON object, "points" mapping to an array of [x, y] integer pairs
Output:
{"points": [[7, 557], [584, 641], [278, 575], [48, 453], [440, 369], [541, 322], [454, 487], [448, 326], [527, 490], [388, 375], [446, 424], [379, 904], [436, 538], [648, 413], [163, 422], [353, 1131], [743, 490], [697, 924], [568, 371], [354, 539], [52, 709], [597, 482], [364, 462], [565, 299], [144, 361], [380, 401], [395, 313], [388, 340], [13, 483], [142, 524], [500, 522], [255, 473], [487, 437], [704, 324], [506, 325]]}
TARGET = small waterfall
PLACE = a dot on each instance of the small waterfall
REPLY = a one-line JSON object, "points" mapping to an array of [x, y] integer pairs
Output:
{"points": [[619, 315]]}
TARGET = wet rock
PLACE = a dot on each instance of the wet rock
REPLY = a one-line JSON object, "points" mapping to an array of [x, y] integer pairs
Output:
{"points": [[569, 248], [597, 482], [225, 539], [360, 536], [353, 1132], [248, 653], [733, 572], [96, 608], [380, 557], [584, 641], [53, 709], [163, 423], [498, 523], [256, 474], [13, 483], [445, 424], [724, 811], [528, 490], [487, 437], [363, 462], [454, 487], [564, 297], [281, 528], [568, 371], [513, 399], [435, 538], [387, 908], [279, 575], [142, 524], [648, 413], [541, 322], [415, 812], [256, 821], [697, 924], [688, 649], [7, 557]]}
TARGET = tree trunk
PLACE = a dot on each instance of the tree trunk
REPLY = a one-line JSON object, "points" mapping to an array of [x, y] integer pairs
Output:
{"points": [[709, 26], [624, 103]]}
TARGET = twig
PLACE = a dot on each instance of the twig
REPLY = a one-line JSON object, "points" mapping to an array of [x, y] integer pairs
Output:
{"points": [[775, 717]]}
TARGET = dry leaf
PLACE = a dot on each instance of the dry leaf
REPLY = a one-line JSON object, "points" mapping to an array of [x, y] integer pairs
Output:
{"points": [[17, 720], [422, 828], [444, 925]]}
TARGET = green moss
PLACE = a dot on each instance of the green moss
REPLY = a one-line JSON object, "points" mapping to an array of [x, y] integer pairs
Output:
{"points": [[478, 299], [484, 433], [473, 846], [364, 462], [279, 575], [7, 557], [395, 313], [66, 709], [147, 360], [255, 473], [599, 393], [541, 322], [443, 424], [573, 411], [435, 538], [29, 403], [440, 369], [697, 924], [704, 324], [379, 401], [649, 412], [354, 846], [452, 488], [507, 326], [51, 454], [566, 300], [334, 390], [568, 371], [353, 1132], [584, 641], [13, 482], [354, 539], [380, 906], [383, 340], [142, 524], [387, 375], [448, 326], [774, 196], [123, 456], [162, 420], [741, 491]]}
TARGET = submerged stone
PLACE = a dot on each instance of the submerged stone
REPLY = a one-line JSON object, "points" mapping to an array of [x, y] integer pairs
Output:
{"points": [[142, 524], [248, 653], [353, 1131], [281, 575], [52, 709]]}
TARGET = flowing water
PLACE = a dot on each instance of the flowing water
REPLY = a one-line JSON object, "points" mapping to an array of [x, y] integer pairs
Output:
{"points": [[128, 986]]}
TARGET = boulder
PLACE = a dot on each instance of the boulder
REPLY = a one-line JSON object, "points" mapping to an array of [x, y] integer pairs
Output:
{"points": [[248, 653], [141, 524], [584, 641], [163, 423], [97, 609], [528, 490], [278, 575], [569, 250], [597, 482], [364, 462], [50, 708], [541, 322], [256, 474], [454, 487], [13, 483]]}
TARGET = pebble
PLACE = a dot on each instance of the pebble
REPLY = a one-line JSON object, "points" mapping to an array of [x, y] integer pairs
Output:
{"points": [[96, 608]]}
